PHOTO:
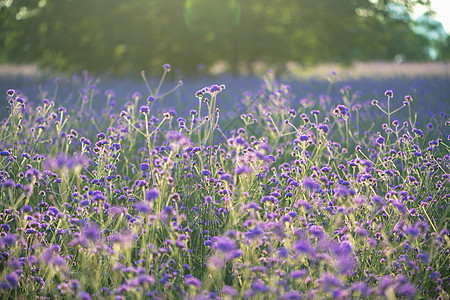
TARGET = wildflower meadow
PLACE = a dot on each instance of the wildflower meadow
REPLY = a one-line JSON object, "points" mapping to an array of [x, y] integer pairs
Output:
{"points": [[263, 192]]}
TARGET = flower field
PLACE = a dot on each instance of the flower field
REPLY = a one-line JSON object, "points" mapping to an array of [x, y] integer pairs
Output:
{"points": [[244, 189]]}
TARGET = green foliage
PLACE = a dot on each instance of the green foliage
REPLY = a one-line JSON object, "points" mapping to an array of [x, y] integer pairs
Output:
{"points": [[127, 36]]}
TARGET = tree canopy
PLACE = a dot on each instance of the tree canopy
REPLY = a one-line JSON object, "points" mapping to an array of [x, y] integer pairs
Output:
{"points": [[119, 36]]}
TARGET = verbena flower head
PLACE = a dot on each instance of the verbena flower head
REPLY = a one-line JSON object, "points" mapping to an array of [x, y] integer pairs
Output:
{"points": [[380, 140], [193, 281], [225, 244], [152, 194], [144, 167], [328, 281], [145, 110], [167, 67], [342, 111], [10, 282], [310, 184], [389, 93], [298, 274]]}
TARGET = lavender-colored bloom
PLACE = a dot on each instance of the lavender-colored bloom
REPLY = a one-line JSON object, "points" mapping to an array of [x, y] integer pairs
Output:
{"points": [[145, 110], [7, 241], [228, 290], [378, 200], [401, 207], [53, 211], [342, 192], [91, 232], [143, 208], [193, 281], [316, 231], [254, 205], [152, 194], [389, 93], [85, 202], [12, 279], [254, 233], [167, 67], [342, 111], [144, 167], [324, 128], [310, 184], [380, 140], [303, 246], [292, 295], [328, 281], [225, 244], [259, 287], [407, 290], [8, 183], [206, 172], [83, 295], [215, 262], [144, 279], [298, 274], [418, 132], [214, 88], [10, 92]]}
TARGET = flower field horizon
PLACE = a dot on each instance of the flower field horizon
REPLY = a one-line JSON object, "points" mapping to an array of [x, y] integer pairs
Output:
{"points": [[225, 187]]}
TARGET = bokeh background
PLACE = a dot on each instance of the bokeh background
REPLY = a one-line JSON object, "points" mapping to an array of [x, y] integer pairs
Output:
{"points": [[124, 37]]}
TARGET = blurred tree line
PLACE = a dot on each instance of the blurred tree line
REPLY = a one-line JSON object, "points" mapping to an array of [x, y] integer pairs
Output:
{"points": [[120, 36]]}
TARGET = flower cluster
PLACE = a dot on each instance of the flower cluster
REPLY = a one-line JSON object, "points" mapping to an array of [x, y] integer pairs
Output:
{"points": [[263, 203]]}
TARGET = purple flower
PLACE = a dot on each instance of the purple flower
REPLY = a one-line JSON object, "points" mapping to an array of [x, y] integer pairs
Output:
{"points": [[136, 96], [259, 287], [316, 231], [7, 241], [389, 93], [214, 88], [418, 132], [407, 290], [254, 233], [328, 282], [310, 184], [229, 291], [145, 110], [380, 140], [298, 274], [378, 200], [292, 295], [342, 111], [143, 208], [215, 262], [225, 244], [303, 246], [83, 295], [152, 194], [85, 202], [11, 280], [144, 167], [91, 232], [144, 279], [401, 207], [253, 205], [193, 281], [8, 183], [167, 67]]}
